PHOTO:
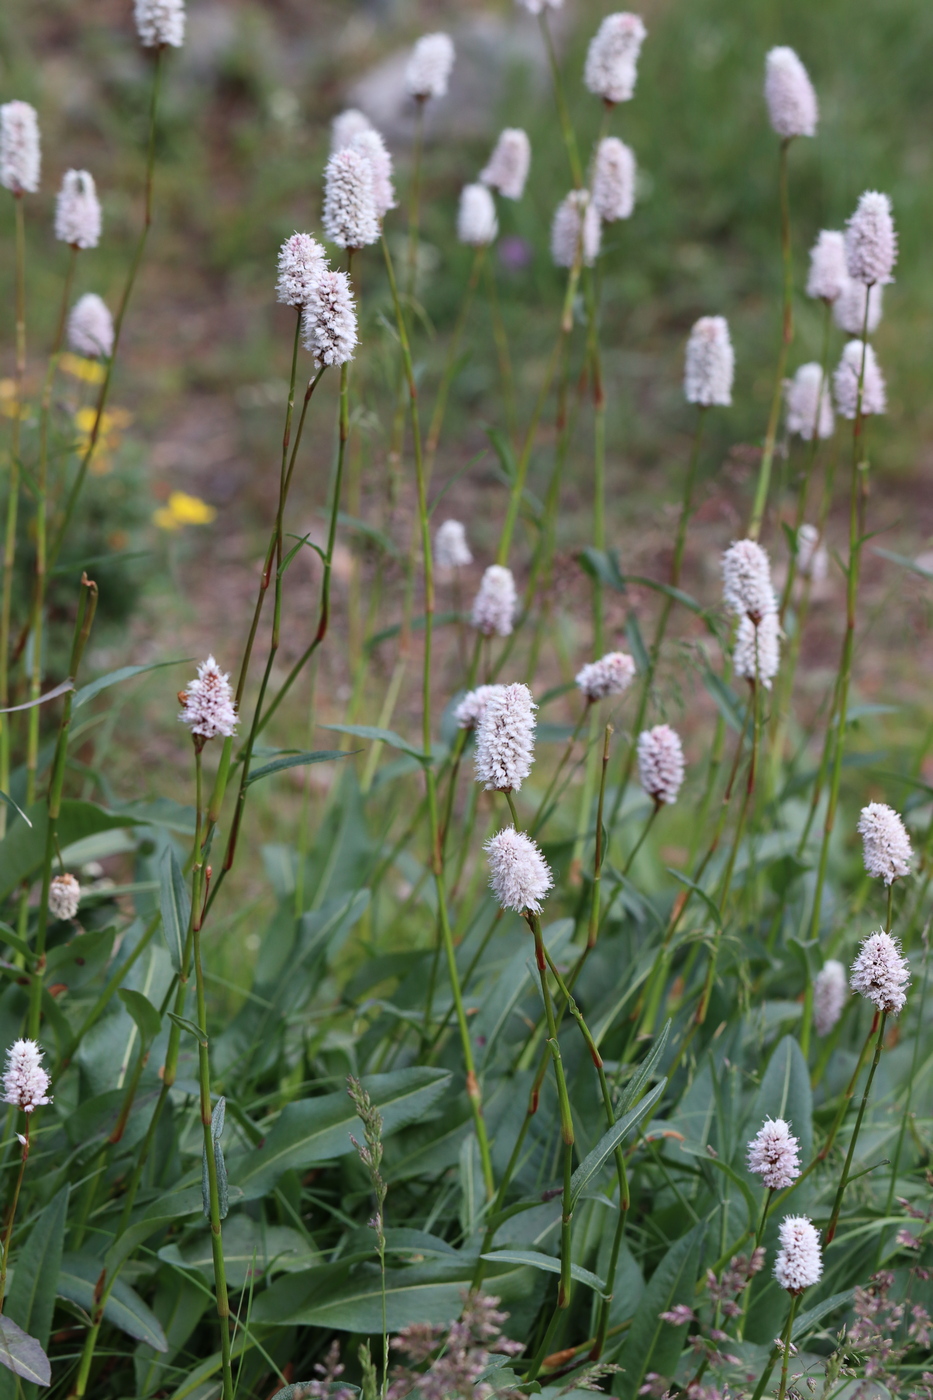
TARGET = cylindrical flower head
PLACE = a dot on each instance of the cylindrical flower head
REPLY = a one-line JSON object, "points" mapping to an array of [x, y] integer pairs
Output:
{"points": [[871, 242], [477, 224], [772, 1154], [302, 260], [473, 705], [830, 990], [77, 210], [350, 218], [614, 180], [829, 274], [428, 71], [20, 159], [576, 231], [849, 307], [25, 1082], [494, 604], [509, 163], [329, 320], [880, 973], [846, 381], [885, 844], [709, 365], [90, 326], [799, 1264], [370, 145], [746, 580], [64, 896], [505, 739], [792, 105], [451, 550], [757, 652], [809, 406], [345, 126], [535, 7], [208, 703], [160, 22], [519, 876], [612, 58], [812, 559], [610, 675], [660, 762]]}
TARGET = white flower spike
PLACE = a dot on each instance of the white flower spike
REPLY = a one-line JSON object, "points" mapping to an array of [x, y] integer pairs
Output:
{"points": [[350, 219], [661, 763], [614, 180], [209, 709], [508, 166], [799, 1263], [64, 897], [612, 59], [772, 1155], [429, 67], [477, 224], [576, 231], [885, 844], [830, 989], [302, 261], [77, 210], [329, 320], [880, 973], [610, 675], [792, 105], [20, 158], [505, 739], [160, 23], [25, 1082], [451, 550], [90, 327], [519, 876], [709, 365], [495, 603]]}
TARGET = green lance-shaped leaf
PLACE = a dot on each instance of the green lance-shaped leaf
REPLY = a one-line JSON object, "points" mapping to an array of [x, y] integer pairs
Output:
{"points": [[77, 1281], [548, 1263], [217, 1128], [143, 1013], [22, 1354], [175, 906], [30, 1302], [610, 1140], [654, 1345]]}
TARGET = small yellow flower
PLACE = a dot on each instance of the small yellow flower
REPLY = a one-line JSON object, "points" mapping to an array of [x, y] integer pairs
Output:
{"points": [[183, 509], [91, 371], [8, 400]]}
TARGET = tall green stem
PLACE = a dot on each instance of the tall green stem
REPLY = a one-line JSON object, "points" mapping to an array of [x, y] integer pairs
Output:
{"points": [[787, 335], [12, 510], [844, 1180], [8, 1232], [785, 1351]]}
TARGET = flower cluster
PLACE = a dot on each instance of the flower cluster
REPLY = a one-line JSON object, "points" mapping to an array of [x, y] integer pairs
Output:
{"points": [[494, 604], [77, 210], [612, 59], [90, 327], [661, 762], [709, 364], [880, 973], [209, 709], [429, 66], [610, 675], [505, 738], [64, 896], [508, 166], [792, 105], [829, 274], [858, 363], [799, 1262], [886, 846], [756, 655], [302, 261], [519, 876], [772, 1155], [576, 232], [457, 1355], [614, 180], [451, 550], [809, 407], [477, 224], [369, 144], [871, 240], [746, 580], [472, 707], [160, 23], [345, 126], [830, 990], [329, 320], [20, 159], [25, 1082], [350, 218]]}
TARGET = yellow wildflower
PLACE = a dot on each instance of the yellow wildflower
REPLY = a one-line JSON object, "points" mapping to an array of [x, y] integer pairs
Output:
{"points": [[183, 509]]}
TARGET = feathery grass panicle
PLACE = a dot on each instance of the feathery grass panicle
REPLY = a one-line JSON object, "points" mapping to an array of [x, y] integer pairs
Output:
{"points": [[576, 230], [429, 67], [799, 1263], [160, 23], [846, 382], [329, 320], [886, 847], [610, 675], [871, 241], [792, 104], [477, 224], [829, 274], [302, 260], [849, 307], [495, 602], [77, 210], [880, 973], [25, 1082], [345, 126], [812, 556], [20, 156], [709, 364], [505, 739], [809, 405], [472, 707], [830, 989], [756, 655], [773, 1155], [370, 145], [208, 703], [661, 763], [451, 550], [64, 896], [90, 327], [611, 68], [508, 166], [519, 876], [746, 580], [614, 180], [350, 219]]}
